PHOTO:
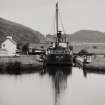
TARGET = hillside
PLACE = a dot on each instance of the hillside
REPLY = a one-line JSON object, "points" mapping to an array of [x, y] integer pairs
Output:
{"points": [[88, 36], [21, 34], [84, 36]]}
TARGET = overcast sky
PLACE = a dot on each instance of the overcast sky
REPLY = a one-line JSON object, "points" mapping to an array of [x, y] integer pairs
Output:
{"points": [[39, 14]]}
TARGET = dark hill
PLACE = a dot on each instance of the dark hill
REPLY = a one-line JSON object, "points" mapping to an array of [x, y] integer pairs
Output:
{"points": [[21, 34], [88, 36]]}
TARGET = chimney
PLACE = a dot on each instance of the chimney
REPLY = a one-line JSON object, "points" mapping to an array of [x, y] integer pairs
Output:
{"points": [[9, 37]]}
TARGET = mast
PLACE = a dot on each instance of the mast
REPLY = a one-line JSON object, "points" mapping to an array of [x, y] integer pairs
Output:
{"points": [[57, 17], [57, 23]]}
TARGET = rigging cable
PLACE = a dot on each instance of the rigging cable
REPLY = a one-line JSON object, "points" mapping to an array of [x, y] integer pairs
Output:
{"points": [[61, 23]]}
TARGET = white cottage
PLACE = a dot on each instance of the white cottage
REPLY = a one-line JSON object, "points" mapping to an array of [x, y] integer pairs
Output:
{"points": [[10, 45]]}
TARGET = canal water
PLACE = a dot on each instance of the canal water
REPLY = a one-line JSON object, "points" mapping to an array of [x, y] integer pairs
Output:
{"points": [[55, 86]]}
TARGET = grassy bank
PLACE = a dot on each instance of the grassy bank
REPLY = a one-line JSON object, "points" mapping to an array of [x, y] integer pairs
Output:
{"points": [[23, 59], [20, 65], [91, 48], [97, 64]]}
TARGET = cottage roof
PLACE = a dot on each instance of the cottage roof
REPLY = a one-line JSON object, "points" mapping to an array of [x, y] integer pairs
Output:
{"points": [[13, 41], [10, 40]]}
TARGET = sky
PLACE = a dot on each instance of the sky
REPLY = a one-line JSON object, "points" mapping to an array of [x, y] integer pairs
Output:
{"points": [[39, 14]]}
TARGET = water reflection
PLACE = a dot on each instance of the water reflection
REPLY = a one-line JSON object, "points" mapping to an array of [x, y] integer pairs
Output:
{"points": [[54, 86], [59, 80]]}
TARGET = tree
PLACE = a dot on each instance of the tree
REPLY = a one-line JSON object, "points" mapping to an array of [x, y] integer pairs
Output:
{"points": [[25, 48], [19, 46], [83, 52]]}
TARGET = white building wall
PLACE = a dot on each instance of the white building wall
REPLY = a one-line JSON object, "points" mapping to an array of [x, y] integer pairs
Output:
{"points": [[9, 46]]}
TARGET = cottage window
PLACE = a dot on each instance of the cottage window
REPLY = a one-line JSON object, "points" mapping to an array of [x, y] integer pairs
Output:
{"points": [[3, 45]]}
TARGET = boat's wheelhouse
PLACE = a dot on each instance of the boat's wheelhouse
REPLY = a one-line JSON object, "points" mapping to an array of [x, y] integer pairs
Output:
{"points": [[57, 51]]}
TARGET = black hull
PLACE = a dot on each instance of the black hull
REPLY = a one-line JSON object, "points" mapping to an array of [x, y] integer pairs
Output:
{"points": [[52, 70], [59, 59]]}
